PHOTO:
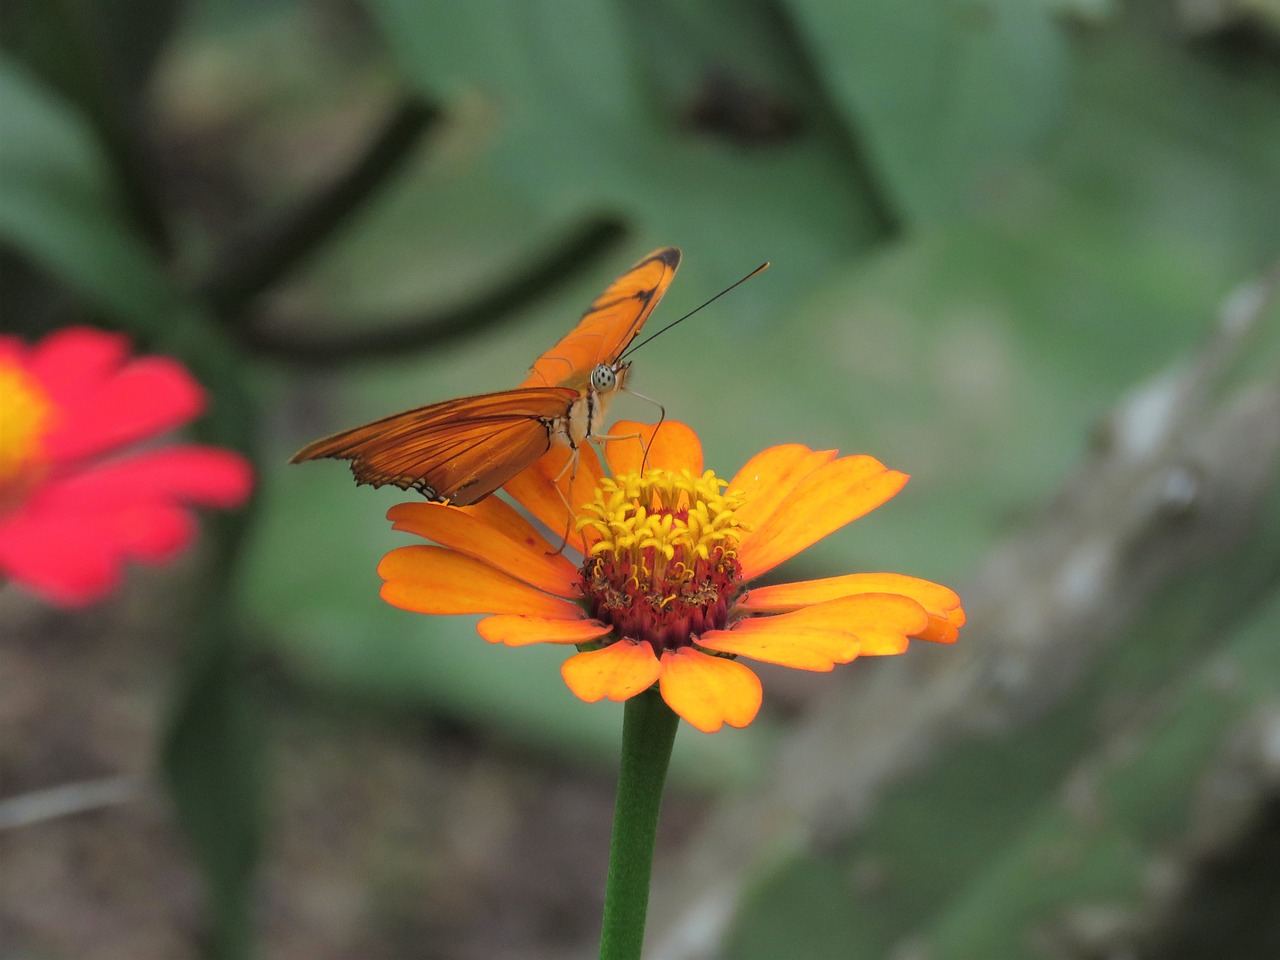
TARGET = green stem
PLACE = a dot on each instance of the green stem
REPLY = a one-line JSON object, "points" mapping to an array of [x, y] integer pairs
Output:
{"points": [[648, 732]]}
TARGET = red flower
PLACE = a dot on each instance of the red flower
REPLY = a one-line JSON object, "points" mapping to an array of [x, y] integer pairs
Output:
{"points": [[661, 594], [73, 506]]}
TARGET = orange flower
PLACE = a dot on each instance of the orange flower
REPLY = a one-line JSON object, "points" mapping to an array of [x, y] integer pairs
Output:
{"points": [[659, 595]]}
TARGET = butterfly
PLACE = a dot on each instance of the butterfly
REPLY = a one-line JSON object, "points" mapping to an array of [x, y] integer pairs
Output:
{"points": [[460, 451]]}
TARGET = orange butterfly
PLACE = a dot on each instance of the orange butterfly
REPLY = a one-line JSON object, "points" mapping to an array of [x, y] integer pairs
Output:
{"points": [[460, 451]]}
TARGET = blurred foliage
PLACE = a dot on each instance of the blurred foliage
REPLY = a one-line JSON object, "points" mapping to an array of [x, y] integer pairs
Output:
{"points": [[1052, 837], [985, 220]]}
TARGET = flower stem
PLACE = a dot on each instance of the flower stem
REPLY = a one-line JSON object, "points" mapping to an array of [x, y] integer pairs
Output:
{"points": [[648, 732]]}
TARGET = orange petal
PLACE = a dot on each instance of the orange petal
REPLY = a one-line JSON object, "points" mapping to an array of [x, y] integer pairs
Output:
{"points": [[946, 615], [768, 478], [519, 631], [787, 641], [618, 671], [494, 532], [823, 502], [428, 579], [709, 691], [497, 513], [671, 445], [536, 489], [820, 636]]}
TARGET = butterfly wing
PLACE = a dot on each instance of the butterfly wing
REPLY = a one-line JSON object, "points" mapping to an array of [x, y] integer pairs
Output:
{"points": [[463, 450], [459, 450], [609, 325]]}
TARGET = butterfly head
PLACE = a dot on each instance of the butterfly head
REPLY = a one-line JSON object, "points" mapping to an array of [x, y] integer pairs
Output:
{"points": [[606, 378]]}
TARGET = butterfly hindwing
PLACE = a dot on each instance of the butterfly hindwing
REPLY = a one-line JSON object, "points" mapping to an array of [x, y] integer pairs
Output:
{"points": [[460, 450]]}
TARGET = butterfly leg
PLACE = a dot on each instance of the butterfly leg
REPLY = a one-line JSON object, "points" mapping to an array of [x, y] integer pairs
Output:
{"points": [[570, 465], [604, 438]]}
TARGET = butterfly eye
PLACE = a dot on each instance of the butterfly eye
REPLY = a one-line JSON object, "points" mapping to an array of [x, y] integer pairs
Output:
{"points": [[603, 377]]}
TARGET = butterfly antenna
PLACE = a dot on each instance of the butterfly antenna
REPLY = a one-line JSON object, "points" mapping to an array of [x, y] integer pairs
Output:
{"points": [[634, 347], [662, 415]]}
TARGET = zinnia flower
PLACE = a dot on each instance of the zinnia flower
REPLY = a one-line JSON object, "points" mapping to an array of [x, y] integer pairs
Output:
{"points": [[73, 505], [660, 594]]}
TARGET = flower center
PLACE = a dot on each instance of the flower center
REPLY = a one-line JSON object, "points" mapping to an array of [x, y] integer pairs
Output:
{"points": [[665, 568], [25, 417]]}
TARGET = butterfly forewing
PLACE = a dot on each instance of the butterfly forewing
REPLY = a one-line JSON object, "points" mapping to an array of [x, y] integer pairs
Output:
{"points": [[610, 323]]}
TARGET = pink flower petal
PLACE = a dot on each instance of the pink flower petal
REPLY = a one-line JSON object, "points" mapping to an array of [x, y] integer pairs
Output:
{"points": [[197, 475], [14, 351], [144, 399], [52, 559], [105, 400], [80, 522], [74, 362], [74, 557], [69, 539]]}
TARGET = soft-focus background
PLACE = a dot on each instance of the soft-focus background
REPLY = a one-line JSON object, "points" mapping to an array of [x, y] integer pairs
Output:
{"points": [[1021, 250]]}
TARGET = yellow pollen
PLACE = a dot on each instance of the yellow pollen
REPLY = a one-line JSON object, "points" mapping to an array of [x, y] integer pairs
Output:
{"points": [[664, 512], [25, 418]]}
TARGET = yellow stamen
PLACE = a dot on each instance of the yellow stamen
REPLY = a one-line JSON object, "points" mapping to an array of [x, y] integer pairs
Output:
{"points": [[665, 565], [662, 511], [25, 417]]}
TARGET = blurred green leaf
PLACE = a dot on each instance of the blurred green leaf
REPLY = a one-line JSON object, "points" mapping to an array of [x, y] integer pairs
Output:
{"points": [[943, 94], [78, 45], [1016, 329], [561, 111], [100, 62], [60, 207], [807, 916]]}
